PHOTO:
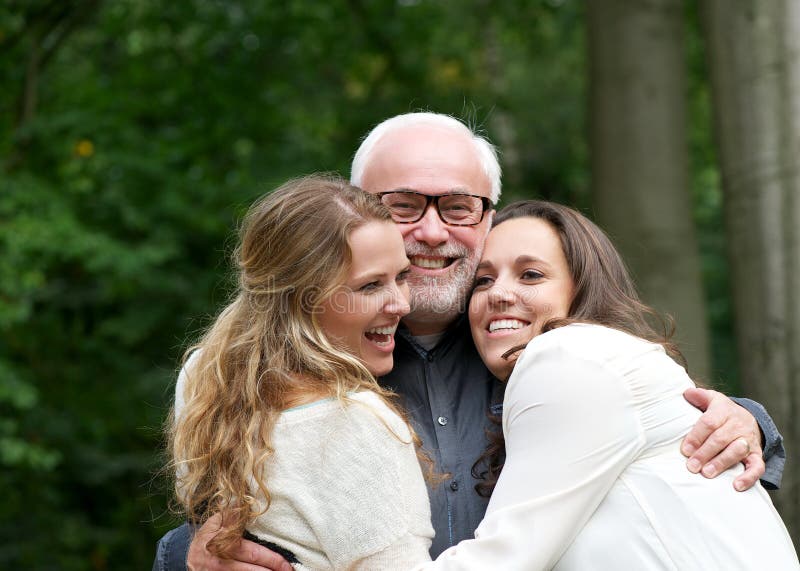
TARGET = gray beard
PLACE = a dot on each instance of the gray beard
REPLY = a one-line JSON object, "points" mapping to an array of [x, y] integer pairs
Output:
{"points": [[441, 298]]}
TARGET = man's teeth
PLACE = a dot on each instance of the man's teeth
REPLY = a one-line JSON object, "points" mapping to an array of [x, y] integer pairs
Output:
{"points": [[506, 324], [430, 263]]}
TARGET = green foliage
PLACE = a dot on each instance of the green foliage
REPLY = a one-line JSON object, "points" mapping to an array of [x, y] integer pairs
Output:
{"points": [[133, 134]]}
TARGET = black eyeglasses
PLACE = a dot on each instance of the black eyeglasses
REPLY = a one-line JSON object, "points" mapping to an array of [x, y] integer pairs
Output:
{"points": [[408, 207]]}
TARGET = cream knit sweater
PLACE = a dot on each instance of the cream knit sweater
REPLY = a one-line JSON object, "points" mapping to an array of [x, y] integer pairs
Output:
{"points": [[347, 489]]}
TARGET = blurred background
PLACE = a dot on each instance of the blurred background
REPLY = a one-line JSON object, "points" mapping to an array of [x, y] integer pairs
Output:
{"points": [[134, 134]]}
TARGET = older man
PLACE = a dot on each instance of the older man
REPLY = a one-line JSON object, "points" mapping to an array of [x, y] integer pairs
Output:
{"points": [[440, 181]]}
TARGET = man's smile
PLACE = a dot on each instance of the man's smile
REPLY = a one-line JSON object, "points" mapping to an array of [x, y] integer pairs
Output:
{"points": [[431, 262]]}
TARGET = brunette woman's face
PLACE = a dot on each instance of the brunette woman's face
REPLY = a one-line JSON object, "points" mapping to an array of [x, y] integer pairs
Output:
{"points": [[362, 314], [522, 282]]}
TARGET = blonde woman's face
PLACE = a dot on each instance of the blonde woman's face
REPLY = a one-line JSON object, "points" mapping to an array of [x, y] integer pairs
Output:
{"points": [[523, 281], [361, 316]]}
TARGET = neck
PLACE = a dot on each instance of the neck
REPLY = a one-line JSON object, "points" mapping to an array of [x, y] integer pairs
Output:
{"points": [[417, 327], [303, 391]]}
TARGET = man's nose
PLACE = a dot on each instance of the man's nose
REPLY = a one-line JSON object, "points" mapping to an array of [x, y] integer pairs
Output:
{"points": [[430, 229]]}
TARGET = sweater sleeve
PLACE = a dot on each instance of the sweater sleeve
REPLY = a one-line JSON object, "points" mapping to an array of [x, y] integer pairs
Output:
{"points": [[375, 512], [180, 385], [571, 429], [402, 553]]}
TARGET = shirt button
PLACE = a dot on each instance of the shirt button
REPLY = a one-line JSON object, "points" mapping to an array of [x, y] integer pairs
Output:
{"points": [[442, 420], [454, 485]]}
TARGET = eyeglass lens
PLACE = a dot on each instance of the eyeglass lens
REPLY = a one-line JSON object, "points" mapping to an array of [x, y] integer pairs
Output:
{"points": [[459, 209]]}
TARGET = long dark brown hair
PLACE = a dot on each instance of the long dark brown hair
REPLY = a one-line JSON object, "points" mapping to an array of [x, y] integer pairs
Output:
{"points": [[604, 294]]}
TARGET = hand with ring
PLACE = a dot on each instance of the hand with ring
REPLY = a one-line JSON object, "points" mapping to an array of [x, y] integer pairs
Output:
{"points": [[725, 435]]}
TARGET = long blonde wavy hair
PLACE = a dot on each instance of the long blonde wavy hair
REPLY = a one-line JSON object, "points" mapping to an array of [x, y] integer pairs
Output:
{"points": [[266, 349]]}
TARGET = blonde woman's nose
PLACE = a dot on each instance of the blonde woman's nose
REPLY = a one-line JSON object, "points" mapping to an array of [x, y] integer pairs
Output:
{"points": [[398, 303]]}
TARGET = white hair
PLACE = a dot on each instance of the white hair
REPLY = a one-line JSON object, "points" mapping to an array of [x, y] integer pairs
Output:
{"points": [[487, 154]]}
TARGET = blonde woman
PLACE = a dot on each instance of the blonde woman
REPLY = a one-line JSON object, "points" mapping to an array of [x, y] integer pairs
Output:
{"points": [[280, 426]]}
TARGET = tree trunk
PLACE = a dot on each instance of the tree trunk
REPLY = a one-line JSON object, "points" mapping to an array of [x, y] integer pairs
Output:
{"points": [[755, 73], [639, 159]]}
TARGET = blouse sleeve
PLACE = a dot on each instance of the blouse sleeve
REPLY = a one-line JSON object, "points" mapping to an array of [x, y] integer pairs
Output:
{"points": [[571, 428]]}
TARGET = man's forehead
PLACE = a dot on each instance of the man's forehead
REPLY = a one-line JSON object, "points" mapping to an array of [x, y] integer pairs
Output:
{"points": [[428, 159], [436, 136]]}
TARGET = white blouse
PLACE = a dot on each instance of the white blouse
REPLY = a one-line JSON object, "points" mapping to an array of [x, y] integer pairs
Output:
{"points": [[594, 479]]}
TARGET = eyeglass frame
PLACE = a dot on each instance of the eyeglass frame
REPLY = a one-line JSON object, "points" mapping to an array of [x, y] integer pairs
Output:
{"points": [[486, 204]]}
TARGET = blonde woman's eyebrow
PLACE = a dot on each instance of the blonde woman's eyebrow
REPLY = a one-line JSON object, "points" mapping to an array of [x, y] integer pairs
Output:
{"points": [[380, 275], [370, 277]]}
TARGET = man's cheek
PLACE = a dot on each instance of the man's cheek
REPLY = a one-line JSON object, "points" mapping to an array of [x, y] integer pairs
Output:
{"points": [[473, 237], [406, 229]]}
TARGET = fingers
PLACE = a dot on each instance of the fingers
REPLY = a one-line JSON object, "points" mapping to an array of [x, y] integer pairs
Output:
{"points": [[731, 455], [699, 398], [247, 556], [708, 423], [754, 468], [725, 435], [696, 443], [722, 450], [212, 563], [258, 557]]}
